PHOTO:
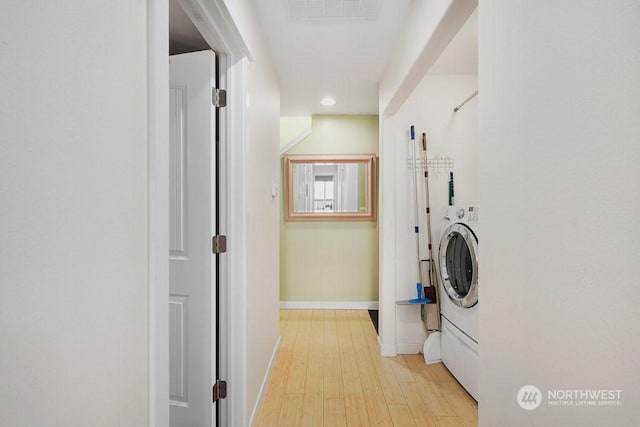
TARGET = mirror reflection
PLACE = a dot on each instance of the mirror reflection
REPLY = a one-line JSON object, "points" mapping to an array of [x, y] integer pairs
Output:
{"points": [[330, 187]]}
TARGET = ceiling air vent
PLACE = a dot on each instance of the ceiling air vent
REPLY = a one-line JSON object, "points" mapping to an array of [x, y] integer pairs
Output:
{"points": [[330, 10]]}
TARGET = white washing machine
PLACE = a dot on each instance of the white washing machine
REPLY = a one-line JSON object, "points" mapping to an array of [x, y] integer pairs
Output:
{"points": [[458, 280]]}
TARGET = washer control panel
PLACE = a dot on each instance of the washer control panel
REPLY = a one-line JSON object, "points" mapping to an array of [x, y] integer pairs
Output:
{"points": [[461, 213], [466, 213], [472, 213]]}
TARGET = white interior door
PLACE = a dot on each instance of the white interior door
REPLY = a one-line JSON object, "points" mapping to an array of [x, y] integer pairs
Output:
{"points": [[192, 317]]}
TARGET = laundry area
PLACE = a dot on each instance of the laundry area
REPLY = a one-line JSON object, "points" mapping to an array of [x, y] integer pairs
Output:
{"points": [[432, 146]]}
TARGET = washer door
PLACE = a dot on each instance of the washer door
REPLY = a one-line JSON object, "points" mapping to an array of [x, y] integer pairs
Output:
{"points": [[458, 265]]}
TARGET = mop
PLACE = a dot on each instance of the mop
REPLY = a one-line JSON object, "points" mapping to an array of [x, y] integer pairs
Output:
{"points": [[431, 349], [419, 289], [431, 291]]}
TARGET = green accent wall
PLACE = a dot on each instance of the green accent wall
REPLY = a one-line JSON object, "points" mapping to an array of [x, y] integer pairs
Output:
{"points": [[332, 261]]}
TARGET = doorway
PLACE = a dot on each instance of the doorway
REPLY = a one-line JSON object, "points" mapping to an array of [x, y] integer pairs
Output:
{"points": [[159, 18]]}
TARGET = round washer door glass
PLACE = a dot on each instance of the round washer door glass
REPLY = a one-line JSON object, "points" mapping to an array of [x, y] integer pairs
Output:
{"points": [[458, 262]]}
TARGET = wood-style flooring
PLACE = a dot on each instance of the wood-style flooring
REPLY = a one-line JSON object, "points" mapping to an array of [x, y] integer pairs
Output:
{"points": [[329, 373]]}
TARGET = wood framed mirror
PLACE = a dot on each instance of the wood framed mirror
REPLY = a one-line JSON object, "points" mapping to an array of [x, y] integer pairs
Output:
{"points": [[330, 187]]}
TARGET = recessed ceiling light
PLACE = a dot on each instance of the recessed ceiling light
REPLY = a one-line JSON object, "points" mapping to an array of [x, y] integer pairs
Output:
{"points": [[328, 101]]}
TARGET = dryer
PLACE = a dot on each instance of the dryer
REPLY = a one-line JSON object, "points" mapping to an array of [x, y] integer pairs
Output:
{"points": [[457, 267]]}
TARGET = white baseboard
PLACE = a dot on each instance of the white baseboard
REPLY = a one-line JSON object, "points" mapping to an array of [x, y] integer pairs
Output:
{"points": [[329, 305], [410, 348], [386, 350], [265, 383]]}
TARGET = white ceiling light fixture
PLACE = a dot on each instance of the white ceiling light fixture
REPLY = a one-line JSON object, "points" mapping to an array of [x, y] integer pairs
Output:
{"points": [[328, 101]]}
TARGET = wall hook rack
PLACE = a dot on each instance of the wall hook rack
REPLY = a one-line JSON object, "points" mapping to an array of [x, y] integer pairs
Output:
{"points": [[435, 164]]}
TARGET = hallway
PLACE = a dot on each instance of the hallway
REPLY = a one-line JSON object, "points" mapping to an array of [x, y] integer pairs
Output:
{"points": [[329, 373]]}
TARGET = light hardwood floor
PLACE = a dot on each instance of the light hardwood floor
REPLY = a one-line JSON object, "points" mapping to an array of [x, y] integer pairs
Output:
{"points": [[329, 373]]}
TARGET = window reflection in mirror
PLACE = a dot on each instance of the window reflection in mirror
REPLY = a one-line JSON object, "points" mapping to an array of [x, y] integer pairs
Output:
{"points": [[325, 188]]}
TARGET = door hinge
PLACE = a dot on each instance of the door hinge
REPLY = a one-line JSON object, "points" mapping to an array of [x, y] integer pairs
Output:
{"points": [[219, 244], [219, 390], [218, 97]]}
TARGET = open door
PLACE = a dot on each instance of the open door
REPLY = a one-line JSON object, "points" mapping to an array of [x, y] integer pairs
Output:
{"points": [[192, 266]]}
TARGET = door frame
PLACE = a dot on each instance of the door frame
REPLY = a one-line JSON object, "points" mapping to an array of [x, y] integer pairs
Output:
{"points": [[224, 37]]}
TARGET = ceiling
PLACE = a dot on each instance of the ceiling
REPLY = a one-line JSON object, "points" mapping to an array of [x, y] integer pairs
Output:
{"points": [[183, 35], [339, 53], [461, 55], [336, 48]]}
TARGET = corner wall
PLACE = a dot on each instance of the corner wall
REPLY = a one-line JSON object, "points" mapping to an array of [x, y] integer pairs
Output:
{"points": [[74, 214], [261, 168], [331, 262], [263, 218], [559, 155]]}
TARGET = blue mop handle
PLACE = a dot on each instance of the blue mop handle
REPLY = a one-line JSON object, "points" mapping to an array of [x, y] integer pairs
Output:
{"points": [[419, 289]]}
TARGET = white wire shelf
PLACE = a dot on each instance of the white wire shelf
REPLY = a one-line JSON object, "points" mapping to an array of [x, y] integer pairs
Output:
{"points": [[435, 164]]}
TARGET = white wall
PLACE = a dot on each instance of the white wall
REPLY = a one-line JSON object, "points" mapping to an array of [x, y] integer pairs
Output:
{"points": [[559, 154], [263, 223], [449, 134], [262, 166], [73, 214]]}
